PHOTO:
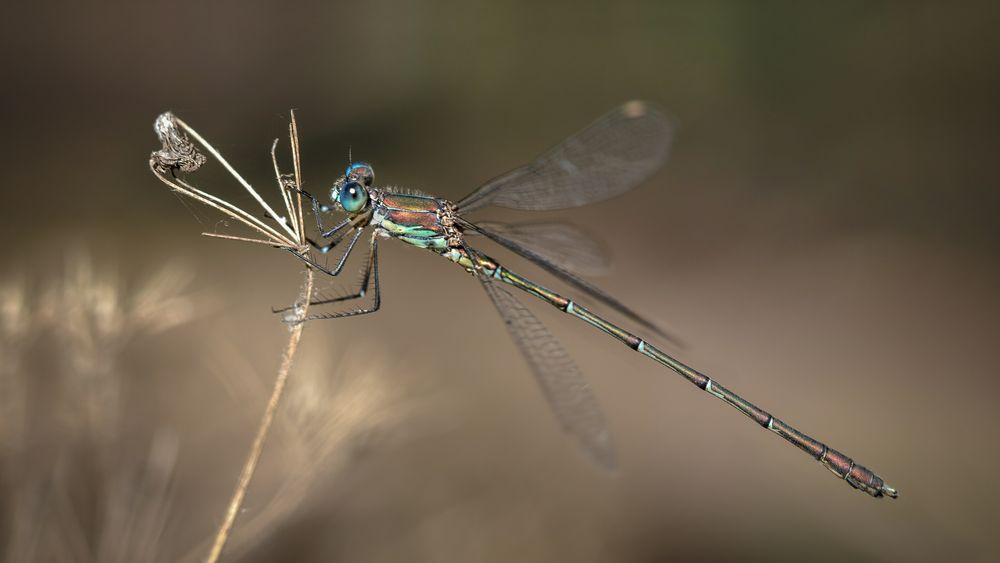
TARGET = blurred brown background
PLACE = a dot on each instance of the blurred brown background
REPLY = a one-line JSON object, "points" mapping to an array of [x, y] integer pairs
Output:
{"points": [[825, 239]]}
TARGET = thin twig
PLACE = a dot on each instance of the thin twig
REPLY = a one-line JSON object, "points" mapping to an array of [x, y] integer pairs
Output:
{"points": [[222, 536], [243, 239], [250, 465], [246, 185], [178, 153], [224, 206], [293, 138], [286, 195]]}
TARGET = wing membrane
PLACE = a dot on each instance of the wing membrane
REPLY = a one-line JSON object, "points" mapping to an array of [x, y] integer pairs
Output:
{"points": [[562, 244], [609, 157], [536, 255], [563, 384]]}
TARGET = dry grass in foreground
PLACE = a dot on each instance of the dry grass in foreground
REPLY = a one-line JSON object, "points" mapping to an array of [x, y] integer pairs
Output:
{"points": [[91, 474]]}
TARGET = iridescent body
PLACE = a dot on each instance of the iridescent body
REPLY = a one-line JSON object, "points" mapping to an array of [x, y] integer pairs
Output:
{"points": [[605, 160], [413, 219]]}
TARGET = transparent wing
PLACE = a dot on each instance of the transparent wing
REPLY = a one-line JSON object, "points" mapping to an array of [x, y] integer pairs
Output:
{"points": [[562, 244], [609, 157], [567, 391], [536, 253]]}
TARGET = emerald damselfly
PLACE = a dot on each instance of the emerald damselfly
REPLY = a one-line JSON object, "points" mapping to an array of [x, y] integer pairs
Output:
{"points": [[606, 159]]}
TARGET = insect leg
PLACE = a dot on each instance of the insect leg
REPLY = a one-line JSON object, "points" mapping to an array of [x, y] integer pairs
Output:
{"points": [[377, 291]]}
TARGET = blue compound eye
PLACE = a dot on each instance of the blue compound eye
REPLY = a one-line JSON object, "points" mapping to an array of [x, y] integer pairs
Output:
{"points": [[360, 172], [353, 197]]}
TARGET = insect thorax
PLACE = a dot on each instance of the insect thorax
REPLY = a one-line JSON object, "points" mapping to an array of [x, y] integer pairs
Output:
{"points": [[421, 220]]}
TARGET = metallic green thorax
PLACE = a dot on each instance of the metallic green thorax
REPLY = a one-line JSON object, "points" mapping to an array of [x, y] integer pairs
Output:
{"points": [[423, 221], [428, 222]]}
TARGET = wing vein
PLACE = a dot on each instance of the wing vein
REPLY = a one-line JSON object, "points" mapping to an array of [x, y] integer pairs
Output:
{"points": [[562, 383], [611, 156]]}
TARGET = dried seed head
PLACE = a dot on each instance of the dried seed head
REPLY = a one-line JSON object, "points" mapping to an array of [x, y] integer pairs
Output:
{"points": [[178, 152]]}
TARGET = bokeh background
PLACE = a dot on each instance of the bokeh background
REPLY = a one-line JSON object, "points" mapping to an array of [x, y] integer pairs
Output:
{"points": [[824, 238]]}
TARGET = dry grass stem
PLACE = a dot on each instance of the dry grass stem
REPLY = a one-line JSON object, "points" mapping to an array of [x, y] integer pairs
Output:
{"points": [[239, 238], [324, 423], [265, 425], [246, 185], [86, 495], [94, 316], [178, 153]]}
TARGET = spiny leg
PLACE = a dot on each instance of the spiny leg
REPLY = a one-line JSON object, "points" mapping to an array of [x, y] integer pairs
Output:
{"points": [[347, 252], [362, 290], [333, 231], [377, 298], [324, 249], [343, 258], [318, 210]]}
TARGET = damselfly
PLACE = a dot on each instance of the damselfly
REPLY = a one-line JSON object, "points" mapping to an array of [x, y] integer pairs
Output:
{"points": [[609, 157]]}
